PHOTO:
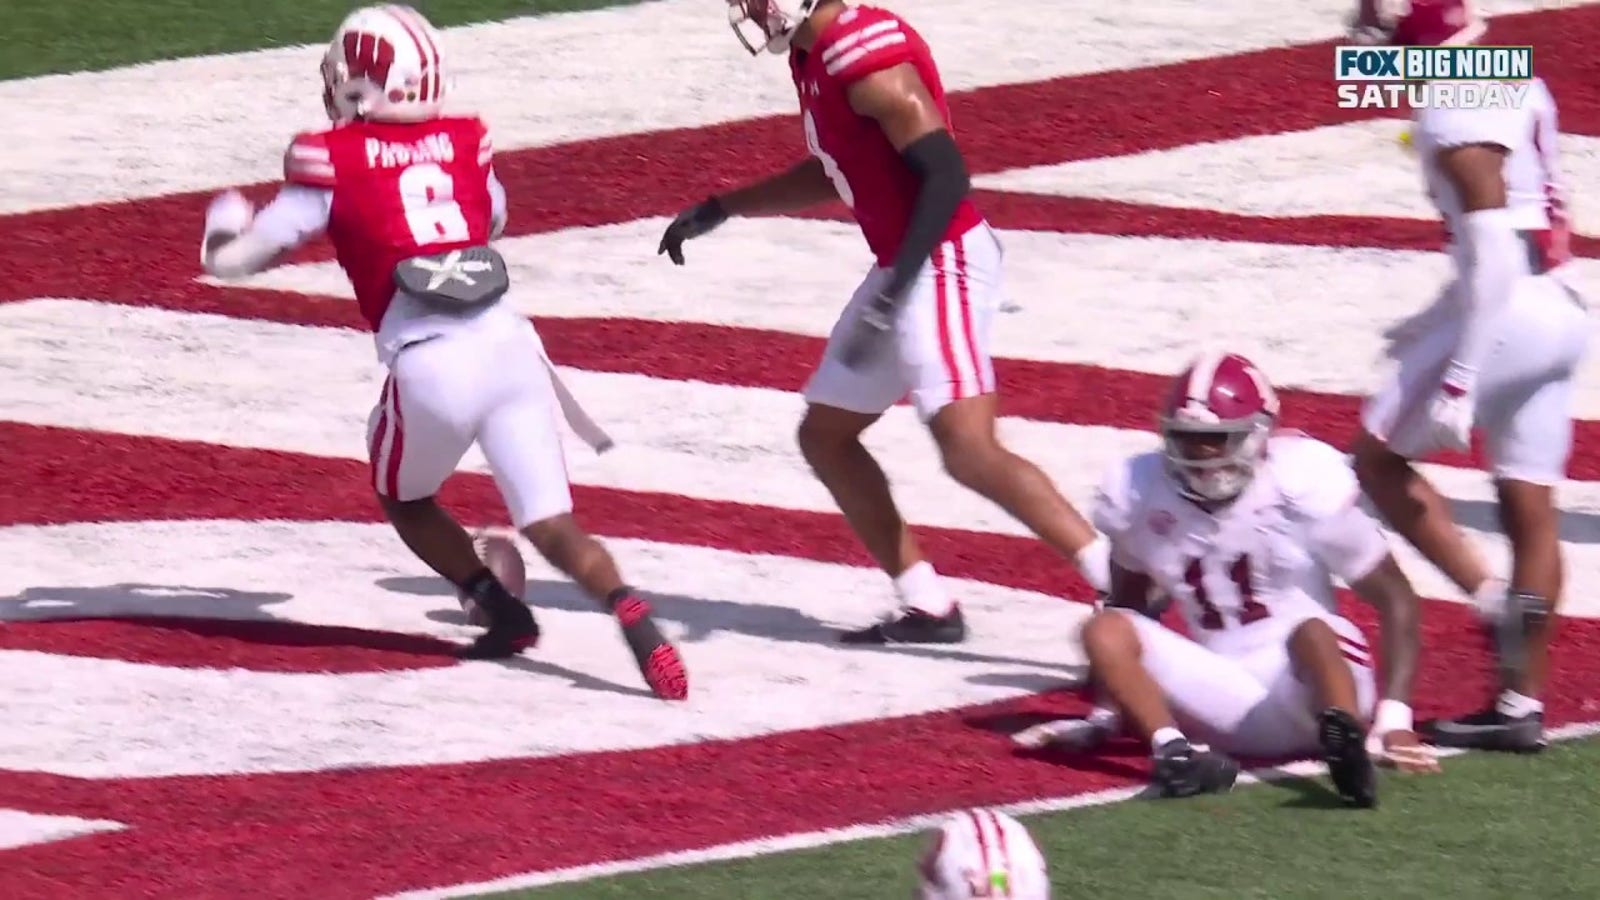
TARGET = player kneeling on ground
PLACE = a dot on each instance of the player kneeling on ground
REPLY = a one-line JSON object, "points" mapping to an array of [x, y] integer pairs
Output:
{"points": [[408, 196], [1242, 527]]}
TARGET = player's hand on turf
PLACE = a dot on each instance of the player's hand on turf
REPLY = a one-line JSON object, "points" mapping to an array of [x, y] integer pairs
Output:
{"points": [[1403, 750], [690, 224], [872, 331]]}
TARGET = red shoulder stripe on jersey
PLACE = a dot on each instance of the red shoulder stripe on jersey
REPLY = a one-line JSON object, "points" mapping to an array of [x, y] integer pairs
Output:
{"points": [[485, 149], [308, 162]]}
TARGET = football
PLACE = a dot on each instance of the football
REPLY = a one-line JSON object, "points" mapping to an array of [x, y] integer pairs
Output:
{"points": [[497, 548]]}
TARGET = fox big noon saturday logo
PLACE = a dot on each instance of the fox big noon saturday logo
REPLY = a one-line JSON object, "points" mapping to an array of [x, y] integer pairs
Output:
{"points": [[1432, 77]]}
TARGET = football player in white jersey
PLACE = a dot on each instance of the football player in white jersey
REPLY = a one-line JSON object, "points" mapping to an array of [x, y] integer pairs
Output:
{"points": [[1497, 351], [1243, 527]]}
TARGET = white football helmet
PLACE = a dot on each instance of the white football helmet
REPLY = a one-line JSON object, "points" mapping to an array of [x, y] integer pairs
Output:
{"points": [[774, 22], [384, 64], [982, 853]]}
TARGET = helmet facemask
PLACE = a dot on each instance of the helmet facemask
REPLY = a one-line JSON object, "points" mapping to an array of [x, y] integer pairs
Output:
{"points": [[767, 24], [1214, 463]]}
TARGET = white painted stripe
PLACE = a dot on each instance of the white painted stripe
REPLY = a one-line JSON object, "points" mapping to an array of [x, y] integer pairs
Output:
{"points": [[860, 53], [178, 375], [1308, 316], [191, 141], [1359, 168], [850, 40], [812, 839], [747, 626], [19, 829]]}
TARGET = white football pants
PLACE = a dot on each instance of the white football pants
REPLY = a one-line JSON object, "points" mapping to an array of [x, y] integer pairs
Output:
{"points": [[1524, 392], [940, 347], [490, 385], [1249, 704]]}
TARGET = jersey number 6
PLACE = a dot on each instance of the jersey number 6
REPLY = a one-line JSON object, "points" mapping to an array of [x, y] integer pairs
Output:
{"points": [[428, 193], [1239, 574]]}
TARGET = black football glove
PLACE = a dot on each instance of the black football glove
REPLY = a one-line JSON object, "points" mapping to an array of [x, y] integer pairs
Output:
{"points": [[691, 223], [872, 330]]}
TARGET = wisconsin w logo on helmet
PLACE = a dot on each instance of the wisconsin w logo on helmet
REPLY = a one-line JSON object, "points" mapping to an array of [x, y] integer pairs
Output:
{"points": [[369, 56], [384, 64]]}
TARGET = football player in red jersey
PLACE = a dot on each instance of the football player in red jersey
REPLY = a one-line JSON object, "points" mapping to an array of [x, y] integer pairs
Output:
{"points": [[1498, 351], [878, 131], [408, 196]]}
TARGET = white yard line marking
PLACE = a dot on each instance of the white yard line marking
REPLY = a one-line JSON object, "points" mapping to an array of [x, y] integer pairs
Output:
{"points": [[808, 840]]}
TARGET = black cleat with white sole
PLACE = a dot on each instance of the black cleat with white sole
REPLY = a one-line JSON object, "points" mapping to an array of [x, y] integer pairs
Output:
{"points": [[1488, 729], [1183, 771], [1344, 749], [912, 626]]}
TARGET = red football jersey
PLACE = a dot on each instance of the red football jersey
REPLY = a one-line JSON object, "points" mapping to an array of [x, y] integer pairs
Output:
{"points": [[399, 190], [869, 174]]}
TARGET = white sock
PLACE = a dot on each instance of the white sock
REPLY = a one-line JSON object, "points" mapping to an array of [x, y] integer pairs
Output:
{"points": [[920, 587], [1164, 736], [1517, 705], [1094, 561]]}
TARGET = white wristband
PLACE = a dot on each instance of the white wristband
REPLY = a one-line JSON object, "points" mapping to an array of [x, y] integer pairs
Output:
{"points": [[1392, 715]]}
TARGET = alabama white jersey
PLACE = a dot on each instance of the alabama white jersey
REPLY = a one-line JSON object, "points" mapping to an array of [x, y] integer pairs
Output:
{"points": [[1243, 574], [1534, 194]]}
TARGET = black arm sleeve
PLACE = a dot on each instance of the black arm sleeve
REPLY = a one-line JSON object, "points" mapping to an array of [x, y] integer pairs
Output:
{"points": [[937, 161]]}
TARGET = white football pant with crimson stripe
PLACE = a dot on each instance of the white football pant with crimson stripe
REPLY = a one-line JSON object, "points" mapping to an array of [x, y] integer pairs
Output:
{"points": [[1248, 703], [487, 384], [941, 338]]}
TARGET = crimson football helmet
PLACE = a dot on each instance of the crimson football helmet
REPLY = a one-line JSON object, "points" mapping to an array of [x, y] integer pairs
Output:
{"points": [[768, 24], [1215, 426], [1411, 23]]}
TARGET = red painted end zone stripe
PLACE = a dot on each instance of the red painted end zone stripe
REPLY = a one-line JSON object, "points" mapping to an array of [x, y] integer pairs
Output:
{"points": [[1069, 393], [230, 836], [1001, 127]]}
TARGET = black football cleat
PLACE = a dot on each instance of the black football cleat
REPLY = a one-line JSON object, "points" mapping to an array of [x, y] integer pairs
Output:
{"points": [[500, 643], [1344, 749], [912, 626], [512, 628], [1488, 729], [1183, 771]]}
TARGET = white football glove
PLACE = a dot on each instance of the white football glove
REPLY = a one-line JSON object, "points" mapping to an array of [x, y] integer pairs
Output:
{"points": [[229, 212]]}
